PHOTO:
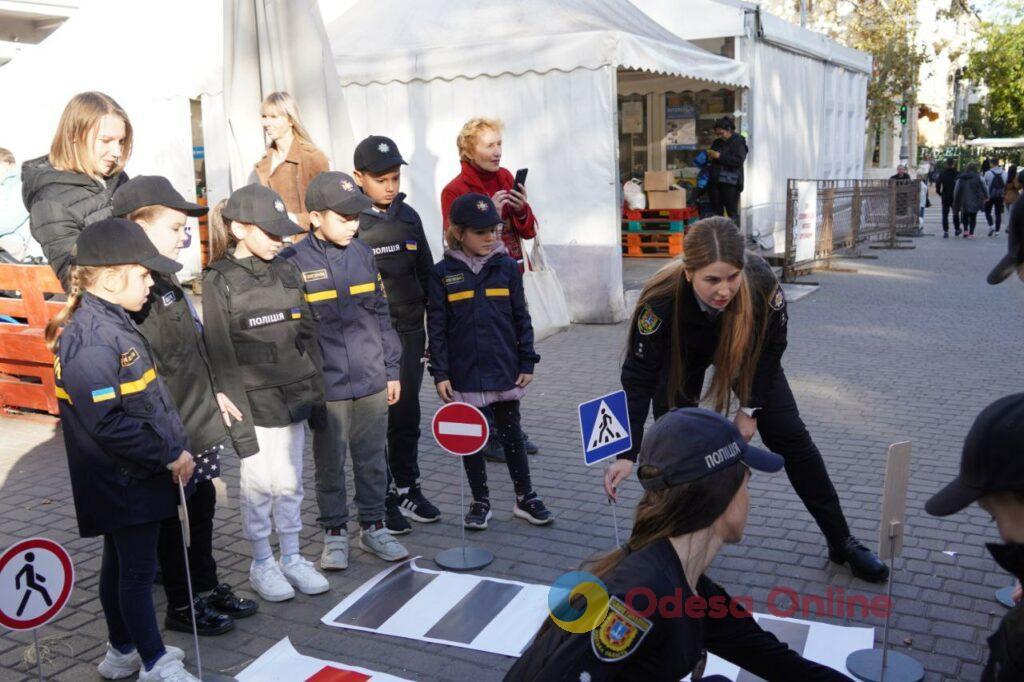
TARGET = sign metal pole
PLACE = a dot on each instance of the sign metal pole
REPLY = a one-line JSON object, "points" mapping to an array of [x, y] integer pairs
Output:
{"points": [[39, 659]]}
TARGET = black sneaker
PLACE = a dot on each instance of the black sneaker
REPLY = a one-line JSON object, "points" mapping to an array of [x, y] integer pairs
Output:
{"points": [[531, 447], [416, 506], [394, 519], [991, 232], [533, 510], [226, 601], [478, 516], [494, 451], [208, 621], [945, 235], [864, 563]]}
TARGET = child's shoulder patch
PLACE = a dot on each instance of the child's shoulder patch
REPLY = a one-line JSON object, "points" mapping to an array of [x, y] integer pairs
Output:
{"points": [[619, 634], [648, 321]]}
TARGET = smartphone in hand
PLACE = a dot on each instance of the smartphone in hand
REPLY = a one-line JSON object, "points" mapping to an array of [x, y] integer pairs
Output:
{"points": [[520, 178]]}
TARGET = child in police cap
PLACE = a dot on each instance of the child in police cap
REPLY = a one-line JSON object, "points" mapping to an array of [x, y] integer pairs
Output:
{"points": [[171, 326], [992, 474], [694, 468], [361, 356], [481, 345], [393, 229], [261, 340], [122, 435]]}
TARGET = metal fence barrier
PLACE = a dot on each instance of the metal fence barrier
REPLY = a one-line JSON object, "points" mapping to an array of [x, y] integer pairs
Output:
{"points": [[850, 213]]}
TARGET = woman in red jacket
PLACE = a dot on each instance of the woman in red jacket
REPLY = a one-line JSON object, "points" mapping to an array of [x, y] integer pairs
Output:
{"points": [[480, 152]]}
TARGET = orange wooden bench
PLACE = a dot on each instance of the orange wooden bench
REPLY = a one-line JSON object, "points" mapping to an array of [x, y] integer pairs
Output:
{"points": [[26, 365]]}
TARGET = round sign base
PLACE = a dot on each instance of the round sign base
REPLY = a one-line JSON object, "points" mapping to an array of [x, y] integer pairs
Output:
{"points": [[463, 558], [1005, 596], [866, 665]]}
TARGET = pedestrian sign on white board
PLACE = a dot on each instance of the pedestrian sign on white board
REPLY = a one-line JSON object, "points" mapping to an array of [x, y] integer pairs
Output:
{"points": [[604, 425]]}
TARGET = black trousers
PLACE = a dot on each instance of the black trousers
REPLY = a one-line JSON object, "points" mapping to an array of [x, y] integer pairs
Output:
{"points": [[969, 220], [994, 205], [784, 433], [725, 200], [947, 208], [126, 589], [171, 554], [509, 433], [404, 416]]}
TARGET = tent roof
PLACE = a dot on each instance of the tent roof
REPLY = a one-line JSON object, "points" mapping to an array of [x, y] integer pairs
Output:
{"points": [[996, 142], [379, 41]]}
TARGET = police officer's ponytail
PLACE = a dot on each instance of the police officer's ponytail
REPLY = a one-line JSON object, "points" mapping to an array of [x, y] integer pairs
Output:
{"points": [[221, 238]]}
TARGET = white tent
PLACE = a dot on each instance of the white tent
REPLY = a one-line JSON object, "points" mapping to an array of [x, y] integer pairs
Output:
{"points": [[805, 113], [416, 70]]}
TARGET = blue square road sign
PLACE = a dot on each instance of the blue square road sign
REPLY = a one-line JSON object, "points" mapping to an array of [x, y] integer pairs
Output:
{"points": [[604, 425]]}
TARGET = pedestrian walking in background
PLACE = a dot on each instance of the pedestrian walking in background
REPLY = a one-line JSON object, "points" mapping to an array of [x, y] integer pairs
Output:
{"points": [[969, 197], [945, 187], [995, 185]]}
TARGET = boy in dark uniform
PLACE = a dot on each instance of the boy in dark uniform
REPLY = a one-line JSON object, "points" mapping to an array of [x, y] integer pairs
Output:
{"points": [[394, 231]]}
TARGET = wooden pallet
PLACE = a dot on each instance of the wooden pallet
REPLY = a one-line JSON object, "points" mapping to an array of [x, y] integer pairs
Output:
{"points": [[652, 244]]}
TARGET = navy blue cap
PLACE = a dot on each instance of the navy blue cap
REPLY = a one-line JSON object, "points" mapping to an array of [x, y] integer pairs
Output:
{"points": [[152, 190], [689, 443], [263, 207], [474, 212], [116, 241], [336, 192], [377, 154]]}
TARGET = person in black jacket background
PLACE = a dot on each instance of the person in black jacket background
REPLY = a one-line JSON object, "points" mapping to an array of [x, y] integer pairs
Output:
{"points": [[393, 229], [724, 307], [74, 185], [727, 154], [945, 186]]}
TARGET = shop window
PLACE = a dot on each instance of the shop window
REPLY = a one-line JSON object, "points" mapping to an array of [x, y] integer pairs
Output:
{"points": [[633, 137]]}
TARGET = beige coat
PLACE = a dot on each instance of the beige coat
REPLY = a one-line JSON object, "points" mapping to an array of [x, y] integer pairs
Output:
{"points": [[293, 175]]}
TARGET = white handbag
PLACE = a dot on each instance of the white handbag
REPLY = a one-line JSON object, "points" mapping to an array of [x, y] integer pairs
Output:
{"points": [[545, 297]]}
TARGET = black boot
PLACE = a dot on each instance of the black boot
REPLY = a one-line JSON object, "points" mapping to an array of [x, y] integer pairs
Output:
{"points": [[208, 621], [864, 563], [226, 601]]}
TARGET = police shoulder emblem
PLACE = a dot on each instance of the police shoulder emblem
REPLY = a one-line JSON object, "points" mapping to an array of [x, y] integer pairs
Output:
{"points": [[648, 321], [778, 300], [278, 205], [619, 634], [129, 357]]}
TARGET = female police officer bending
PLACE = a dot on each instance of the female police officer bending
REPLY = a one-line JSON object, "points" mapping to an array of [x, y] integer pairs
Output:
{"points": [[724, 307], [695, 501]]}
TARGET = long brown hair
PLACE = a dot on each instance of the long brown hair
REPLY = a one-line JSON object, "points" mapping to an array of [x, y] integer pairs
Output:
{"points": [[221, 238], [709, 241], [71, 149], [81, 278]]}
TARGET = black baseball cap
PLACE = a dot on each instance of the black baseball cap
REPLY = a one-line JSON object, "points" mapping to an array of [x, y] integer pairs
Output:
{"points": [[992, 459], [377, 154], [1014, 257], [474, 212], [263, 207], [336, 192], [152, 190], [687, 444], [116, 241]]}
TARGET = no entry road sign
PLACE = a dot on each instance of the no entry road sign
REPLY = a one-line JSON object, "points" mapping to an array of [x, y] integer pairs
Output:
{"points": [[36, 577], [460, 428]]}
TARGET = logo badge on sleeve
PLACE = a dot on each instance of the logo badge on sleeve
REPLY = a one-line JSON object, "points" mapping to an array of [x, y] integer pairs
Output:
{"points": [[778, 301], [129, 357], [648, 322], [619, 634]]}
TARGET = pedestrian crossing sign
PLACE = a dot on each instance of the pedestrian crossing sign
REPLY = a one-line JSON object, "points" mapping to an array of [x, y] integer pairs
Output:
{"points": [[604, 426]]}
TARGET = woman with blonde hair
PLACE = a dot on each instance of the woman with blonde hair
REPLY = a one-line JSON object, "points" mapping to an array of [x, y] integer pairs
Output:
{"points": [[292, 160], [724, 307], [73, 186]]}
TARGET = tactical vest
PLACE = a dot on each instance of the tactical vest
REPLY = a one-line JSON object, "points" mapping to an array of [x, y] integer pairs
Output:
{"points": [[266, 330]]}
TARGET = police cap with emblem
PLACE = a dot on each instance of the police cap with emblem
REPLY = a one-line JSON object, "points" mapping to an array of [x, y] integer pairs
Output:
{"points": [[474, 212], [260, 206], [116, 241], [686, 444], [377, 154], [152, 190], [336, 192]]}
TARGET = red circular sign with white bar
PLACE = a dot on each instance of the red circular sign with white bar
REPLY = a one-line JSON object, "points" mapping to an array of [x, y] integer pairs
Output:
{"points": [[460, 428], [36, 577]]}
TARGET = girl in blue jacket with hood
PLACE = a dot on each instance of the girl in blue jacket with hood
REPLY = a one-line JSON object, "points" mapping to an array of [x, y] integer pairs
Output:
{"points": [[481, 345]]}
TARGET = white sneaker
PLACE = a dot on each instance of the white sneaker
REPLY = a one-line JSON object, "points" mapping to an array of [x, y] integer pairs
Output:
{"points": [[335, 554], [382, 543], [167, 669], [301, 574], [117, 666], [268, 581]]}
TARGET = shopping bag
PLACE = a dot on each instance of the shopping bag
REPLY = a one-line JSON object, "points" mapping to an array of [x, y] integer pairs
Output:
{"points": [[545, 297]]}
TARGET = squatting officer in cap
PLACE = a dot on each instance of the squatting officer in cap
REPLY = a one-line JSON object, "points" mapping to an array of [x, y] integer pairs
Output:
{"points": [[992, 474], [694, 466]]}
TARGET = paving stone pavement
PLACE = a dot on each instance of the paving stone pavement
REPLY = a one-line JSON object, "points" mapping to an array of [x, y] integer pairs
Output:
{"points": [[911, 346]]}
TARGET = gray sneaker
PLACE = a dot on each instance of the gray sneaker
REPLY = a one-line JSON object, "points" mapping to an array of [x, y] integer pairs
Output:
{"points": [[335, 554], [382, 543]]}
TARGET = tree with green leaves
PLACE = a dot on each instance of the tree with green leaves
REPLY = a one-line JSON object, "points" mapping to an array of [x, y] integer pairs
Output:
{"points": [[998, 63]]}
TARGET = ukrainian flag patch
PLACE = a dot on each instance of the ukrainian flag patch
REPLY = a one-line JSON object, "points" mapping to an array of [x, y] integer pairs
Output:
{"points": [[296, 313], [411, 245], [101, 394]]}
